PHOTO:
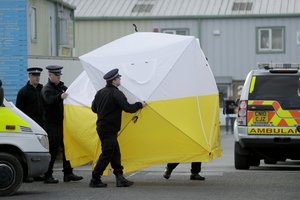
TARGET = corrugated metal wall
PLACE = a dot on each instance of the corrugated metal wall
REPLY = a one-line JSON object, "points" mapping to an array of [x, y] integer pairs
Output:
{"points": [[229, 44], [232, 52], [13, 47]]}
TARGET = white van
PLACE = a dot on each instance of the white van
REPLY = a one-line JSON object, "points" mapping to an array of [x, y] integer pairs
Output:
{"points": [[24, 147]]}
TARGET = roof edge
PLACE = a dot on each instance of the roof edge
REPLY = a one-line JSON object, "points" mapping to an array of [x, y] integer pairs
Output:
{"points": [[64, 4], [186, 17]]}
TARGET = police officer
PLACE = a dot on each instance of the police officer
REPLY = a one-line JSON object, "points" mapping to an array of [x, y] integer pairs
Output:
{"points": [[53, 93], [29, 98], [109, 102], [229, 111]]}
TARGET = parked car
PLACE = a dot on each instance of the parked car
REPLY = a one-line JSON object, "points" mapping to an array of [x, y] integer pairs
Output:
{"points": [[24, 147], [268, 116]]}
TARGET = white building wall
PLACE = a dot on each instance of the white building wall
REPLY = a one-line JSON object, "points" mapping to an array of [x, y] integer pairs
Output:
{"points": [[72, 67]]}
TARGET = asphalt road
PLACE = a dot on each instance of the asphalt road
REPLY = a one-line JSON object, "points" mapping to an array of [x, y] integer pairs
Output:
{"points": [[281, 181]]}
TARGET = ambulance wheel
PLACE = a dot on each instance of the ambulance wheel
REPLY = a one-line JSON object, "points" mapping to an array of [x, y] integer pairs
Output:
{"points": [[11, 174], [241, 161]]}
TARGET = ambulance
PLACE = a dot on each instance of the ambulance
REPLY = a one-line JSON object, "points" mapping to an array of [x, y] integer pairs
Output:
{"points": [[268, 116], [24, 147]]}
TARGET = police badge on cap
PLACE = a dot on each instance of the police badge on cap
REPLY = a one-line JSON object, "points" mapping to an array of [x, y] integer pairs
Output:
{"points": [[112, 74]]}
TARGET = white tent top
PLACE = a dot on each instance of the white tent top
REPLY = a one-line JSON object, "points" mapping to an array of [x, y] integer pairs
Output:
{"points": [[154, 66]]}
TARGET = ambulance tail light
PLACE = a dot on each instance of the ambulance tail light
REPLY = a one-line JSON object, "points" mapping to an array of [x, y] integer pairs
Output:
{"points": [[242, 113]]}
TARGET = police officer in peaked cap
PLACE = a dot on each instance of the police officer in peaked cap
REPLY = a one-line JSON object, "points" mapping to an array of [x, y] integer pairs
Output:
{"points": [[29, 98], [53, 94], [109, 102]]}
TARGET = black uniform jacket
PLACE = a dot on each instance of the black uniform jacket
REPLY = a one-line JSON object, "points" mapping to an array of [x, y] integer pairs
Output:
{"points": [[53, 103], [108, 104], [29, 100], [229, 107]]}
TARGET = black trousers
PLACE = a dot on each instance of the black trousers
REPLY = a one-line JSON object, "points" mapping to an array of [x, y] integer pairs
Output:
{"points": [[55, 136], [195, 167], [110, 154]]}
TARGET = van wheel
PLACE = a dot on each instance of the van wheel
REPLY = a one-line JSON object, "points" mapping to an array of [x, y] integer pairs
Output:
{"points": [[240, 161], [11, 174]]}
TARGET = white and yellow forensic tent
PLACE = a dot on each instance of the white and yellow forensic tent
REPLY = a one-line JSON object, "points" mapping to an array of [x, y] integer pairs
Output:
{"points": [[169, 72]]}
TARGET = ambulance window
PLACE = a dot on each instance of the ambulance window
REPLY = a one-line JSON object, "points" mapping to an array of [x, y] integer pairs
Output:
{"points": [[281, 88]]}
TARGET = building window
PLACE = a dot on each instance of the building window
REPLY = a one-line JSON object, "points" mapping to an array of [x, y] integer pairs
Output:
{"points": [[63, 34], [176, 31], [270, 39], [239, 6], [142, 8], [65, 28], [33, 24]]}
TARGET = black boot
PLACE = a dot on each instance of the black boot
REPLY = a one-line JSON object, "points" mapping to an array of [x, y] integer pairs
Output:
{"points": [[167, 173], [50, 180], [121, 181], [39, 178], [97, 183], [72, 177], [197, 177], [28, 180]]}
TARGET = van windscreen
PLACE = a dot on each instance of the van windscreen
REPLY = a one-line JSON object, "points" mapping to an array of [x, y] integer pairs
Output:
{"points": [[282, 88]]}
